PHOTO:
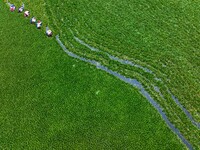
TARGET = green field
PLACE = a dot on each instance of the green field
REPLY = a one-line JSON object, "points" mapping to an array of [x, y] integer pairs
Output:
{"points": [[162, 36], [51, 101]]}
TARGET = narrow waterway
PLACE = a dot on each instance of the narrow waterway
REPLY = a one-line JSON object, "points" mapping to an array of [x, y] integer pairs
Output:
{"points": [[122, 61]]}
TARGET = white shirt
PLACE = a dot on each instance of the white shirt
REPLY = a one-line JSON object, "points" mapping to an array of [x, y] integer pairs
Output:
{"points": [[26, 13], [49, 32], [33, 20], [21, 9], [39, 24]]}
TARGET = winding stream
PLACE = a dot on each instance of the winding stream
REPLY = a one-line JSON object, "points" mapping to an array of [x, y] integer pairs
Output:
{"points": [[197, 124], [156, 89], [134, 83], [122, 61]]}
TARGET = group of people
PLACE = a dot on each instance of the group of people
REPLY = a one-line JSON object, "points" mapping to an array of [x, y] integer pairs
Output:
{"points": [[33, 20]]}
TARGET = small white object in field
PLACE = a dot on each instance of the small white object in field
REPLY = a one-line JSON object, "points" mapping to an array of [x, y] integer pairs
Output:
{"points": [[26, 14], [39, 24], [49, 33], [33, 20], [21, 10]]}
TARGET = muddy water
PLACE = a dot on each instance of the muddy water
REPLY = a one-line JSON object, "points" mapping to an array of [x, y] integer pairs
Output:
{"points": [[134, 83]]}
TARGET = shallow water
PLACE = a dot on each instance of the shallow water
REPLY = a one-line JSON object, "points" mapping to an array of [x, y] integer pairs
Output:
{"points": [[122, 61], [134, 83], [197, 124], [157, 89], [127, 62], [85, 44]]}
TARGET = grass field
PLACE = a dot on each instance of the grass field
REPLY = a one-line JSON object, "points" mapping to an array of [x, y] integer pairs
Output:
{"points": [[51, 101], [162, 36]]}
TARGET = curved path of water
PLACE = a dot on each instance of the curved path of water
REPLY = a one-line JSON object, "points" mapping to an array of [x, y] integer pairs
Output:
{"points": [[197, 124], [134, 83], [122, 61], [127, 62]]}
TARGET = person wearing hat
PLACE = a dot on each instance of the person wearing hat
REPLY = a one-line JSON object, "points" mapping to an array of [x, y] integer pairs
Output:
{"points": [[26, 14], [33, 20], [12, 7], [49, 33], [21, 9], [39, 24]]}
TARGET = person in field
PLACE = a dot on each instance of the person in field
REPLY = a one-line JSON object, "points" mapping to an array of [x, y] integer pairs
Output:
{"points": [[26, 13], [49, 33], [33, 20], [39, 24], [21, 9], [12, 7]]}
